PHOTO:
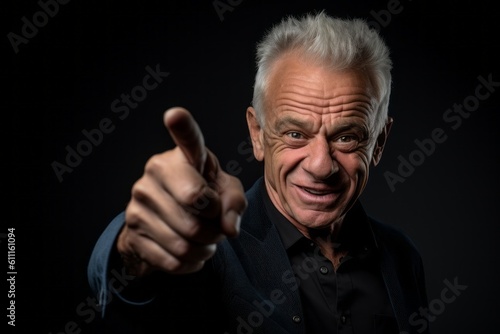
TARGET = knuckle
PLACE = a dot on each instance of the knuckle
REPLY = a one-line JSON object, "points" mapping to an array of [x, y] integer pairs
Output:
{"points": [[193, 194], [154, 164], [123, 244], [140, 190], [181, 248], [192, 228], [128, 245], [133, 217], [201, 201]]}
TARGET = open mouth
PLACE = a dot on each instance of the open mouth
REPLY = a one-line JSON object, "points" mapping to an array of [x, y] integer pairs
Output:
{"points": [[317, 192]]}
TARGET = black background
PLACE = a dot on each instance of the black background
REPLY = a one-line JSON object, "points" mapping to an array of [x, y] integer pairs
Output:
{"points": [[64, 79]]}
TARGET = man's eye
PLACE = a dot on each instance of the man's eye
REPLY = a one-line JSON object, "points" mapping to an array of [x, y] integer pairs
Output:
{"points": [[294, 135], [346, 139], [347, 143]]}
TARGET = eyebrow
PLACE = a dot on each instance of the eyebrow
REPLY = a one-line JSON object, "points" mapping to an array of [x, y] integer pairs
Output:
{"points": [[349, 125], [288, 120]]}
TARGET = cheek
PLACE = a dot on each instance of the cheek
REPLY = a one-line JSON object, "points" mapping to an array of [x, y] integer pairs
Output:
{"points": [[273, 162], [278, 155], [288, 160], [355, 165]]}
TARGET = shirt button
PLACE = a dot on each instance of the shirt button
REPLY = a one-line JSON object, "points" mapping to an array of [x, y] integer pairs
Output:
{"points": [[297, 319], [323, 270]]}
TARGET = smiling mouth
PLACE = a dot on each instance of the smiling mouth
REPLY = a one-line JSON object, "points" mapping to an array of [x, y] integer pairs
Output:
{"points": [[317, 192]]}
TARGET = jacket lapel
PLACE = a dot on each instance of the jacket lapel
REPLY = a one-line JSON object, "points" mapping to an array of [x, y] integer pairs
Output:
{"points": [[267, 266]]}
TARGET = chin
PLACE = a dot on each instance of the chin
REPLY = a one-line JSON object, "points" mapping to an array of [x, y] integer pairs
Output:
{"points": [[318, 220]]}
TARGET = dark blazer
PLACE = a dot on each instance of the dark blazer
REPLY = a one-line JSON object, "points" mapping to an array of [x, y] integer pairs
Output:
{"points": [[244, 288]]}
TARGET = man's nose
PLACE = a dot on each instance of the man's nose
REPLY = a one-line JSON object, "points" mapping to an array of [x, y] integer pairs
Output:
{"points": [[320, 162]]}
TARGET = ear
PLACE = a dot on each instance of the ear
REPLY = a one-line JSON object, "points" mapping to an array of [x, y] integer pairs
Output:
{"points": [[381, 140], [256, 133]]}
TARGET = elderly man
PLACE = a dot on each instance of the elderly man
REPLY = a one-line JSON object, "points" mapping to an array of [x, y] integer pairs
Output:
{"points": [[296, 253]]}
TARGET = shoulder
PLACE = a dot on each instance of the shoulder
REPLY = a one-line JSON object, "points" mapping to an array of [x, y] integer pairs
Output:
{"points": [[254, 192]]}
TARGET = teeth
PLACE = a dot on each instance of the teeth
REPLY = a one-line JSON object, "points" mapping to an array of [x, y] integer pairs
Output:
{"points": [[315, 192]]}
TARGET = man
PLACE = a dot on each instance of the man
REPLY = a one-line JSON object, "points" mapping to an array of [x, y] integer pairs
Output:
{"points": [[296, 253]]}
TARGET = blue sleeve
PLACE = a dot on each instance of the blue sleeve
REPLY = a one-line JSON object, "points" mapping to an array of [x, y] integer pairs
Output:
{"points": [[99, 268]]}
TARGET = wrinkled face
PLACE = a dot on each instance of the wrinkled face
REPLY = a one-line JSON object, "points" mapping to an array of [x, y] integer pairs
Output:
{"points": [[316, 141]]}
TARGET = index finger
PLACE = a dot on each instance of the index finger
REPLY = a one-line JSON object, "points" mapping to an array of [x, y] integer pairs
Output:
{"points": [[187, 135]]}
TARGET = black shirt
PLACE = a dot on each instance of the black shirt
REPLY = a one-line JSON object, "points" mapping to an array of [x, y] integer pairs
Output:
{"points": [[352, 299]]}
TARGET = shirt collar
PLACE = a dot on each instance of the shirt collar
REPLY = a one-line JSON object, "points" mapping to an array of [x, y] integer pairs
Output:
{"points": [[288, 233]]}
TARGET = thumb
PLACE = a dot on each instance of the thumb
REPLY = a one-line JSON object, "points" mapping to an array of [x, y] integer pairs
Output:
{"points": [[233, 202]]}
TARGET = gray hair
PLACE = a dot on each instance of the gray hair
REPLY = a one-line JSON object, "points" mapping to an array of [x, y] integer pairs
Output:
{"points": [[337, 43]]}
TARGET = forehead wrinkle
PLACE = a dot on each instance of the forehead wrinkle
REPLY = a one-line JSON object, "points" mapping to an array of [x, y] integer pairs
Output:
{"points": [[340, 103], [313, 84], [344, 120]]}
